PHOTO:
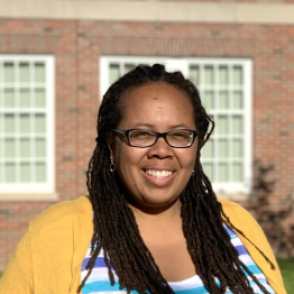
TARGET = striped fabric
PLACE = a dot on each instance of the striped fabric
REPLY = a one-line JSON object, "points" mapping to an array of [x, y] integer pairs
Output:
{"points": [[99, 281]]}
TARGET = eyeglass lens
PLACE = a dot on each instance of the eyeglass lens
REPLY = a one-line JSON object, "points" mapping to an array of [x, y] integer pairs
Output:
{"points": [[177, 138]]}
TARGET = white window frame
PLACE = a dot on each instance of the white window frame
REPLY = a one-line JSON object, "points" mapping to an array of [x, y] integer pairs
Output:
{"points": [[233, 191], [40, 191]]}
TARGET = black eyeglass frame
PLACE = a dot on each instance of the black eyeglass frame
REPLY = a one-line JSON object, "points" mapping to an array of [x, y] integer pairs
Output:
{"points": [[158, 135]]}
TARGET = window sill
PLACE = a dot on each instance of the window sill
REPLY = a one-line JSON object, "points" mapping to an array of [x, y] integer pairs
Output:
{"points": [[28, 196], [237, 196]]}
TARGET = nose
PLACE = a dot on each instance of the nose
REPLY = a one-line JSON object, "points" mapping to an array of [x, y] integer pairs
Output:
{"points": [[161, 149]]}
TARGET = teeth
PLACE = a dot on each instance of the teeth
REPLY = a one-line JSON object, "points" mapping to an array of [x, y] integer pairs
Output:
{"points": [[159, 174]]}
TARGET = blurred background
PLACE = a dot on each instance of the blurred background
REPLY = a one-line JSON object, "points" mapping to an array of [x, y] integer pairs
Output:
{"points": [[57, 58]]}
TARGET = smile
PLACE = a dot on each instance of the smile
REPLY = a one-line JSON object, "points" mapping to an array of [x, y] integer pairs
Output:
{"points": [[159, 174]]}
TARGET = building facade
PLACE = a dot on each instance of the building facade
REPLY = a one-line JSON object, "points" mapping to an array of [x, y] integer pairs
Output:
{"points": [[57, 58]]}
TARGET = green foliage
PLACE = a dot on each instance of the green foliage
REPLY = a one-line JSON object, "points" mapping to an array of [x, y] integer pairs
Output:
{"points": [[287, 268]]}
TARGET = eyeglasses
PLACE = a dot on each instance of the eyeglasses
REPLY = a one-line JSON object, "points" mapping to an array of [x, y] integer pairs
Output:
{"points": [[181, 138]]}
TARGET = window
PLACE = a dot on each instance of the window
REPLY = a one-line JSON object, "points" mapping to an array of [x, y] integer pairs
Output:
{"points": [[225, 88], [26, 124]]}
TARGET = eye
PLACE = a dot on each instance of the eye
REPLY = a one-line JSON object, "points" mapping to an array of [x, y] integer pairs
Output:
{"points": [[141, 134], [180, 134]]}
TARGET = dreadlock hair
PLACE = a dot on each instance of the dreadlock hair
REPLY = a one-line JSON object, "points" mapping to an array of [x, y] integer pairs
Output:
{"points": [[115, 227]]}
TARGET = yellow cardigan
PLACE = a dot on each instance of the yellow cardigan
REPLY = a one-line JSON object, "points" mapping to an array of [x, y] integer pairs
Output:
{"points": [[48, 258]]}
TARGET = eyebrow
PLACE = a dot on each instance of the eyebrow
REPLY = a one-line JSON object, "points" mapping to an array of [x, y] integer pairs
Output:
{"points": [[150, 126]]}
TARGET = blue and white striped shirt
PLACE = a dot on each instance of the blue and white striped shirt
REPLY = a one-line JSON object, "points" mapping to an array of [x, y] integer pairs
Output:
{"points": [[99, 282]]}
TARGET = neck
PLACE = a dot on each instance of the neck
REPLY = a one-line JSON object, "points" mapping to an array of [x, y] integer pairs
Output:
{"points": [[160, 227], [157, 214]]}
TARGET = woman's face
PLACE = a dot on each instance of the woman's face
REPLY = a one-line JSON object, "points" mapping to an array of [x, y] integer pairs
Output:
{"points": [[159, 107]]}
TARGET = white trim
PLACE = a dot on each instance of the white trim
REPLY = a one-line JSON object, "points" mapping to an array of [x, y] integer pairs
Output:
{"points": [[49, 111], [19, 197], [233, 196], [182, 64], [249, 129], [150, 11]]}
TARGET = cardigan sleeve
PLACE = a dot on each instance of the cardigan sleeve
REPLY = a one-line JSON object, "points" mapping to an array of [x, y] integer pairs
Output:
{"points": [[48, 258], [18, 275]]}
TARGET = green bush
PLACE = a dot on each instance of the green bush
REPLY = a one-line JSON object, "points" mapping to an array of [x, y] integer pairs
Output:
{"points": [[287, 268]]}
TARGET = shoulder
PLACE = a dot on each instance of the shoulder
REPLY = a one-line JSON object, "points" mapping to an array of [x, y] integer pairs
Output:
{"points": [[60, 218], [52, 249], [59, 238], [237, 214], [245, 222]]}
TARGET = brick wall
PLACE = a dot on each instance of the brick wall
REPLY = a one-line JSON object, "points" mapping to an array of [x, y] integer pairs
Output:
{"points": [[77, 47]]}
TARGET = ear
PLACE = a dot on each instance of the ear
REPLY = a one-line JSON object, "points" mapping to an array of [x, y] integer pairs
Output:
{"points": [[110, 143]]}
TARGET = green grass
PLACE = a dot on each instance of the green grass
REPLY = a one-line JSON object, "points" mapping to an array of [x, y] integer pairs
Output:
{"points": [[287, 268]]}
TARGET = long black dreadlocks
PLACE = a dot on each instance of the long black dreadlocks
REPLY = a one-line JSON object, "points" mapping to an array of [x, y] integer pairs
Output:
{"points": [[115, 227]]}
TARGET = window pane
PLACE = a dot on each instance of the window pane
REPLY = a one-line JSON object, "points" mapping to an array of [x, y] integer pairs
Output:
{"points": [[237, 125], [194, 74], [40, 98], [223, 99], [24, 148], [1, 173], [40, 172], [237, 172], [237, 148], [24, 98], [9, 149], [223, 148], [9, 172], [208, 100], [223, 75], [128, 67], [237, 102], [8, 72], [24, 123], [208, 75], [223, 124], [9, 98], [23, 120], [207, 150], [39, 73], [9, 121], [113, 73], [223, 172], [40, 148], [24, 73], [237, 75], [25, 173], [40, 126], [207, 167], [1, 150]]}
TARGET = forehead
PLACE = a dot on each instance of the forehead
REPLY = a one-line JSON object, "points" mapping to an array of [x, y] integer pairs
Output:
{"points": [[157, 102]]}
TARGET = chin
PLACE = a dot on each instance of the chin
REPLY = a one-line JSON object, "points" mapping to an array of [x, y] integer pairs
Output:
{"points": [[160, 200]]}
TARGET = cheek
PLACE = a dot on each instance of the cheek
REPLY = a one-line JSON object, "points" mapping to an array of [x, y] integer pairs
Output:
{"points": [[127, 158], [187, 159]]}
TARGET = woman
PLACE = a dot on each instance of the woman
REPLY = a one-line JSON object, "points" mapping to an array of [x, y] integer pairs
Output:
{"points": [[153, 222]]}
